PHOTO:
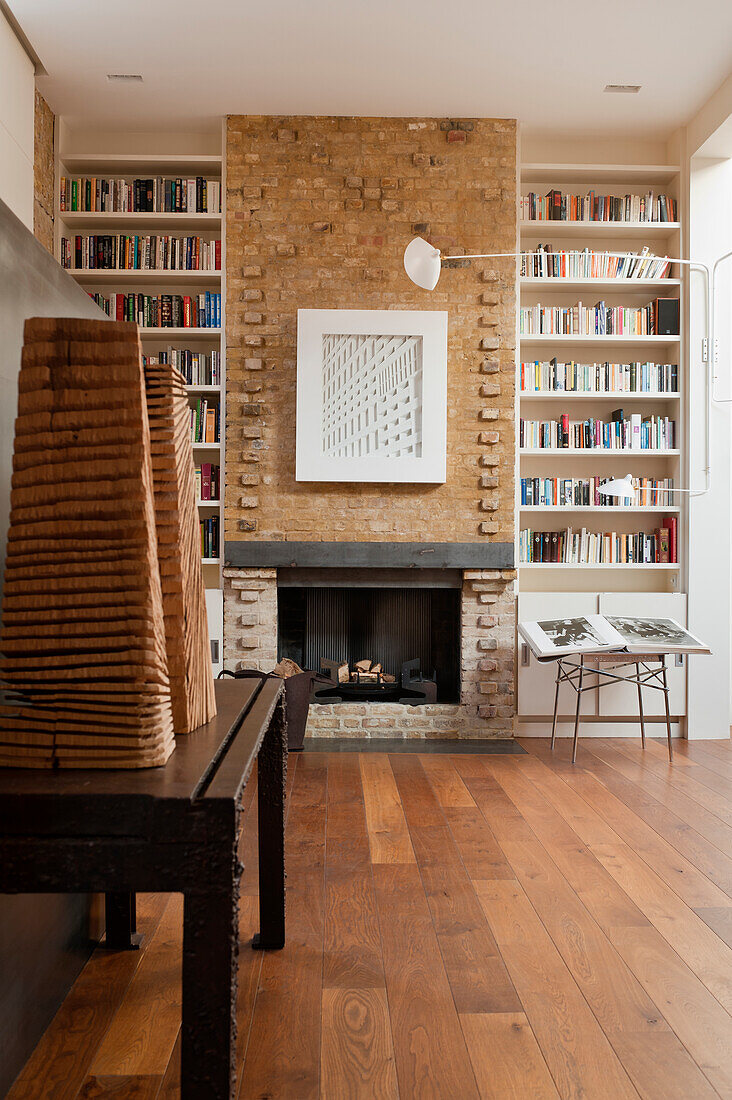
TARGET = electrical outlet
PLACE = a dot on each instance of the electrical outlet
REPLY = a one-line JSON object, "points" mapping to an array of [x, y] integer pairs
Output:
{"points": [[679, 660], [525, 654]]}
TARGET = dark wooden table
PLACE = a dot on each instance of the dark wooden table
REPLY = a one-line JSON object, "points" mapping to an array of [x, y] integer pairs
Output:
{"points": [[170, 829]]}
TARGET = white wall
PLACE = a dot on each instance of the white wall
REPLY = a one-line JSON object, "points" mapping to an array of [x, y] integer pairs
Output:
{"points": [[17, 103], [710, 516]]}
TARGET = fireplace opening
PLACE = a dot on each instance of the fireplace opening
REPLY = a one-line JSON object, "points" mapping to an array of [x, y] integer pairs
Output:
{"points": [[390, 628]]}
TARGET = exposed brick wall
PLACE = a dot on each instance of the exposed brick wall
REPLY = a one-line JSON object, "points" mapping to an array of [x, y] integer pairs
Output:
{"points": [[43, 173], [319, 211]]}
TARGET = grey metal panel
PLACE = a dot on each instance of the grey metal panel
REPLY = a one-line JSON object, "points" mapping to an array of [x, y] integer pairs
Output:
{"points": [[370, 555], [44, 939], [365, 578]]}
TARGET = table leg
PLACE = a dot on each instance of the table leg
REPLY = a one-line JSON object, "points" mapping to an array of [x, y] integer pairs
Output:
{"points": [[556, 704], [271, 774], [208, 1033], [577, 709], [640, 705], [668, 712], [120, 920]]}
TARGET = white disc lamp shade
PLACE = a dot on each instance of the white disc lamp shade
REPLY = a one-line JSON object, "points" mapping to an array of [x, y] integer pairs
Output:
{"points": [[619, 487], [422, 263]]}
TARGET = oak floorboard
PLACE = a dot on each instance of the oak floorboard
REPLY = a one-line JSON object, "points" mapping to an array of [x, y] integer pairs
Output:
{"points": [[446, 783], [170, 1084], [283, 1053], [388, 834], [706, 955], [431, 1056], [357, 1054], [506, 1058], [577, 1052], [690, 884], [720, 804], [126, 1087], [143, 1031], [713, 755], [701, 820], [682, 837], [60, 1062], [719, 920]]}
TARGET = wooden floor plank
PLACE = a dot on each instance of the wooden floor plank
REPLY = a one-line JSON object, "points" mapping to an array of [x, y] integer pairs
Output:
{"points": [[697, 817], [357, 1058], [388, 834], [447, 784], [431, 1056], [287, 1009], [130, 1087], [506, 1057], [718, 803], [577, 1052], [703, 855], [60, 1062], [142, 1034], [706, 955]]}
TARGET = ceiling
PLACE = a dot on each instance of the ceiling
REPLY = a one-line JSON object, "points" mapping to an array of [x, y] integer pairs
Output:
{"points": [[545, 63]]}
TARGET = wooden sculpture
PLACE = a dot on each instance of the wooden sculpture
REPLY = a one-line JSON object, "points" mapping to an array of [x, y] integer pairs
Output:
{"points": [[84, 640]]}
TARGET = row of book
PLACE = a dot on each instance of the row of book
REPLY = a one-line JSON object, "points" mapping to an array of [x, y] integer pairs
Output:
{"points": [[120, 252], [570, 377], [585, 492], [547, 263], [208, 481], [199, 368], [600, 547], [158, 195], [205, 421], [556, 206], [597, 320], [210, 537], [164, 310], [636, 433]]}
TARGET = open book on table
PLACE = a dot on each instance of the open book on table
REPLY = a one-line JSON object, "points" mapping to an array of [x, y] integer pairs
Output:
{"points": [[586, 634]]}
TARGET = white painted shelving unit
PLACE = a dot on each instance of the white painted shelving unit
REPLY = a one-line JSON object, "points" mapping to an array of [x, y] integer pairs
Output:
{"points": [[76, 159], [550, 590]]}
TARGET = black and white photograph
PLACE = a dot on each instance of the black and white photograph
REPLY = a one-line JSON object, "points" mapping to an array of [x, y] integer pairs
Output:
{"points": [[550, 638], [665, 635]]}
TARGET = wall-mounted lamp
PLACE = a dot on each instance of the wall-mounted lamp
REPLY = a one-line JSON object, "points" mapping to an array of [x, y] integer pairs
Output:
{"points": [[423, 264]]}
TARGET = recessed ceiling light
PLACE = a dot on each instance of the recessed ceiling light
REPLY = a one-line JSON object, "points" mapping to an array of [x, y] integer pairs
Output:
{"points": [[623, 89], [124, 76]]}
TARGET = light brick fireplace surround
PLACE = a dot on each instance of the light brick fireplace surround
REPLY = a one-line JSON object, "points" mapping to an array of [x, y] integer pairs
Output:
{"points": [[318, 213]]}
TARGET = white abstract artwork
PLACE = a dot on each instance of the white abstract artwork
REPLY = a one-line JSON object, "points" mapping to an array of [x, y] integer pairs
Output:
{"points": [[371, 395]]}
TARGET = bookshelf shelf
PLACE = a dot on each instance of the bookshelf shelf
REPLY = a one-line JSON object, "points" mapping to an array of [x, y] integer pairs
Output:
{"points": [[637, 509], [586, 340], [212, 334], [647, 230], [211, 561], [568, 396], [166, 223], [601, 565], [89, 276], [162, 164], [543, 172], [203, 389], [208, 503], [206, 446], [615, 285], [602, 452]]}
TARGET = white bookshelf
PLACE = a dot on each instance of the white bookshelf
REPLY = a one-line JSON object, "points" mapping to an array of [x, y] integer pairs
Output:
{"points": [[662, 238], [75, 161]]}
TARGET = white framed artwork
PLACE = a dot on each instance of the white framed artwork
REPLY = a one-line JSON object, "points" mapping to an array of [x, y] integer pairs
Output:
{"points": [[371, 395]]}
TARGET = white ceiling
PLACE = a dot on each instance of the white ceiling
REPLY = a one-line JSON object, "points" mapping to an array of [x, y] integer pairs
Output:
{"points": [[544, 62]]}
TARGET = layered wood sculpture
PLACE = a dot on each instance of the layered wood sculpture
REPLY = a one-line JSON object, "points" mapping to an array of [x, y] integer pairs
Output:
{"points": [[85, 633]]}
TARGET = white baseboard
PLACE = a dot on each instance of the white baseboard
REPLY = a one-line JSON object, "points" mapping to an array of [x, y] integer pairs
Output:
{"points": [[543, 728]]}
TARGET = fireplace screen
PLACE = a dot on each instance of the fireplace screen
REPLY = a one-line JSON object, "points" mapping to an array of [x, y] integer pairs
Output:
{"points": [[382, 628]]}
